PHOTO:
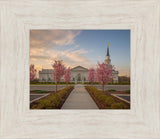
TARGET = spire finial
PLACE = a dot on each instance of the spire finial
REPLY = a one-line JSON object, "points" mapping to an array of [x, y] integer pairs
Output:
{"points": [[108, 44]]}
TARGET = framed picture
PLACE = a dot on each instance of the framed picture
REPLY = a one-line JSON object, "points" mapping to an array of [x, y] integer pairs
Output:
{"points": [[72, 69], [52, 56]]}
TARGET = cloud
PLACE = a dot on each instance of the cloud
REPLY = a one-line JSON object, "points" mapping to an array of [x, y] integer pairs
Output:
{"points": [[77, 55], [43, 38], [70, 57], [49, 45], [39, 57]]}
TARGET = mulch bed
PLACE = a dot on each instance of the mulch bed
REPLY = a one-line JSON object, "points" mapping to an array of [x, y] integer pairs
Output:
{"points": [[102, 106], [114, 92], [117, 100], [64, 98], [52, 92]]}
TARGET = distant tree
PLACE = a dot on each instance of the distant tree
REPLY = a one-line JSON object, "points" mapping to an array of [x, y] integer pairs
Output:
{"points": [[104, 74], [59, 71], [91, 75], [33, 72], [67, 76]]}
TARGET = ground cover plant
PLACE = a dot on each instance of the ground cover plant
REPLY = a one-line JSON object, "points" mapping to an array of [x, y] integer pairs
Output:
{"points": [[53, 101], [39, 91], [111, 90], [128, 92], [105, 101]]}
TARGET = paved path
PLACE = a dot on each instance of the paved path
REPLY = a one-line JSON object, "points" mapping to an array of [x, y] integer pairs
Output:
{"points": [[79, 99]]}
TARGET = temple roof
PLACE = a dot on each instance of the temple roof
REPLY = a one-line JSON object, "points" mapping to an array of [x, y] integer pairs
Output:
{"points": [[79, 68]]}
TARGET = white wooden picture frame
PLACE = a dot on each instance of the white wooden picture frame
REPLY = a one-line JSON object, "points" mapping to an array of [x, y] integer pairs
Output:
{"points": [[18, 17]]}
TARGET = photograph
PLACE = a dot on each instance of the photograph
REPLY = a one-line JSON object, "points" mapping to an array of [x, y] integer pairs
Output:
{"points": [[79, 69]]}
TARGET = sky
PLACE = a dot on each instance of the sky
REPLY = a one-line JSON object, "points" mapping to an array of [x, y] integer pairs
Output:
{"points": [[80, 47]]}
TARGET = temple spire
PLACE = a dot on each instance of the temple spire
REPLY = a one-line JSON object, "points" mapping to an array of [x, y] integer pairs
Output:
{"points": [[108, 60], [108, 49]]}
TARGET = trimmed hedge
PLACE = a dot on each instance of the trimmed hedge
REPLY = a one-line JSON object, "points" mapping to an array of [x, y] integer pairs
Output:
{"points": [[53, 101], [103, 101], [127, 91], [111, 90], [91, 83], [118, 106], [40, 91]]}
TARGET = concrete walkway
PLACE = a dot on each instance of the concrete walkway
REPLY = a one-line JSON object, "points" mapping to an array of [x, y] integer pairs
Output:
{"points": [[79, 99]]}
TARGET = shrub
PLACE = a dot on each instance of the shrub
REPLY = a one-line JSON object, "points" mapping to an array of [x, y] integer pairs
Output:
{"points": [[102, 98], [96, 94], [40, 91], [43, 104], [52, 101], [109, 101], [111, 90], [118, 105], [127, 91]]}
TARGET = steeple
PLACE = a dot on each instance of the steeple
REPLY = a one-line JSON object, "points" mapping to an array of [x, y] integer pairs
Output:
{"points": [[108, 60], [108, 49]]}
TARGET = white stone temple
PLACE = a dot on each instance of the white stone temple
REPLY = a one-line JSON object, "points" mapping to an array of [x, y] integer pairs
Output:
{"points": [[79, 74]]}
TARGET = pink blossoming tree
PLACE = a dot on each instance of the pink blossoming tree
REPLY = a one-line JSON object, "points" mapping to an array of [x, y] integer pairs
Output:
{"points": [[32, 72], [67, 76], [104, 74], [59, 71], [91, 75]]}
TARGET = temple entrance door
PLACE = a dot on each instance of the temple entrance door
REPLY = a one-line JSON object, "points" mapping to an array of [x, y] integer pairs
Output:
{"points": [[78, 78]]}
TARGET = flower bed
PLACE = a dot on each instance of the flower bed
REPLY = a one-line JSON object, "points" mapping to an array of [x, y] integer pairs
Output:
{"points": [[53, 101], [105, 101]]}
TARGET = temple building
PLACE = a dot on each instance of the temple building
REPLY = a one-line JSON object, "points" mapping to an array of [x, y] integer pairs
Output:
{"points": [[79, 74]]}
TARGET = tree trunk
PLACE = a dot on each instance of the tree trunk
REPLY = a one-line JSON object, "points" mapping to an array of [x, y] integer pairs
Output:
{"points": [[103, 88], [56, 87]]}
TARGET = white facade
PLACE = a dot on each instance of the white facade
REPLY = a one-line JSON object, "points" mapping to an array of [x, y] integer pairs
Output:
{"points": [[115, 76], [79, 74], [46, 75]]}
